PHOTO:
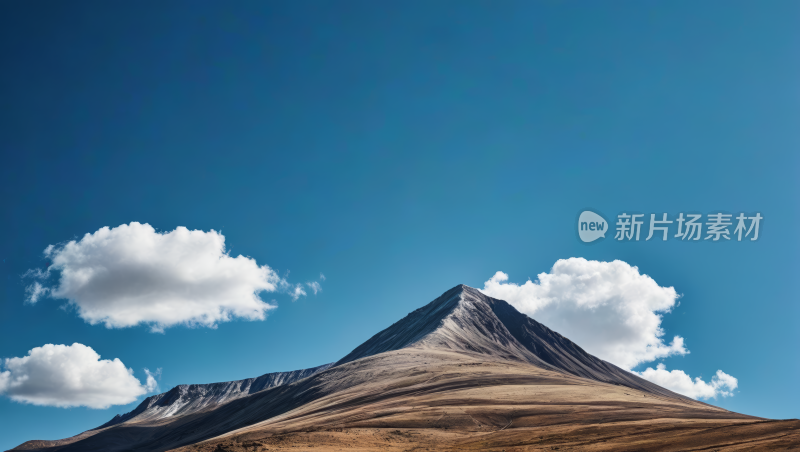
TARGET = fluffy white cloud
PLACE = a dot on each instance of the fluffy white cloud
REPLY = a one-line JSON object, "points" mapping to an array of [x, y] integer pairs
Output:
{"points": [[608, 308], [132, 275], [69, 376], [613, 312], [721, 384]]}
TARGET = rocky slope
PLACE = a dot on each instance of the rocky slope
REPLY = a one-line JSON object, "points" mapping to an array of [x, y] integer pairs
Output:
{"points": [[188, 399], [464, 319], [465, 371]]}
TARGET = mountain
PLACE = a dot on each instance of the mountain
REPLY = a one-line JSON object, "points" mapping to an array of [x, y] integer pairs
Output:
{"points": [[187, 399], [464, 319], [465, 372]]}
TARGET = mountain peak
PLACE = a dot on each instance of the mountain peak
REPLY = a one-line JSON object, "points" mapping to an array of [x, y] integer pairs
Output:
{"points": [[461, 319], [412, 328], [465, 320]]}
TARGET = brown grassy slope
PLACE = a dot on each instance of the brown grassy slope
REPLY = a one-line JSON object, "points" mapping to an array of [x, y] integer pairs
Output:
{"points": [[465, 371], [422, 399]]}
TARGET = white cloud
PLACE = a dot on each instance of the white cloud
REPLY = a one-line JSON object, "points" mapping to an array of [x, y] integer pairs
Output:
{"points": [[721, 384], [132, 275], [613, 312], [35, 291], [322, 277], [70, 376], [152, 384], [315, 286], [297, 292], [608, 308]]}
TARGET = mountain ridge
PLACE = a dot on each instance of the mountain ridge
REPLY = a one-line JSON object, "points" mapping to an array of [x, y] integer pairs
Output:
{"points": [[465, 361], [465, 319], [190, 398]]}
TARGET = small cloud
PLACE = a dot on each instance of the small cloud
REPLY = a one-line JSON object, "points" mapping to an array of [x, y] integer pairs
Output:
{"points": [[322, 277], [298, 292], [35, 291], [315, 286], [721, 384], [152, 384]]}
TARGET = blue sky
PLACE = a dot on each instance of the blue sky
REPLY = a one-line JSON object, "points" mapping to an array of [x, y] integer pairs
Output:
{"points": [[401, 149]]}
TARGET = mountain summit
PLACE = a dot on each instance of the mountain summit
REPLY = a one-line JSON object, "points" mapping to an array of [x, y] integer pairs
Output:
{"points": [[464, 372], [462, 319], [465, 320]]}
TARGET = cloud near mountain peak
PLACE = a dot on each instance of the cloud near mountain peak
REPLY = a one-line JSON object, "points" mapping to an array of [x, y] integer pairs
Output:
{"points": [[613, 312]]}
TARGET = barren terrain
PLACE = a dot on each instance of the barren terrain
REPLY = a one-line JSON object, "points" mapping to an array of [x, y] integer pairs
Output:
{"points": [[465, 372]]}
